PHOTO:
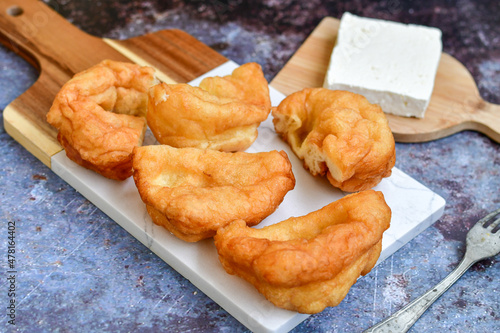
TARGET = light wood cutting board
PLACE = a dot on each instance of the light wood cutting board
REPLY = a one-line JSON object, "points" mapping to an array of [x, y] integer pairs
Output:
{"points": [[59, 50], [455, 103]]}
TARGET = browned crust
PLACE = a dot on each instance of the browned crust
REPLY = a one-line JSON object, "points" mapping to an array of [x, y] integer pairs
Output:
{"points": [[308, 263], [193, 192], [223, 113], [100, 115], [338, 134]]}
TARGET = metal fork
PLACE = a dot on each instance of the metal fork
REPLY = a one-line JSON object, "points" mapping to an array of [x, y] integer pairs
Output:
{"points": [[483, 241]]}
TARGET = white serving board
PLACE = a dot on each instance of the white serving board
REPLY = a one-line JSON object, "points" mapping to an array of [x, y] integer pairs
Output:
{"points": [[414, 208]]}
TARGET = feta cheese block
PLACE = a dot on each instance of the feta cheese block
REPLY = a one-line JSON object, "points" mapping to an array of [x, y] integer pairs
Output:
{"points": [[391, 64]]}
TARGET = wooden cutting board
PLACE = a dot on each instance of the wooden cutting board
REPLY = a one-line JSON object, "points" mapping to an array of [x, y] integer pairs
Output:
{"points": [[59, 50], [455, 103]]}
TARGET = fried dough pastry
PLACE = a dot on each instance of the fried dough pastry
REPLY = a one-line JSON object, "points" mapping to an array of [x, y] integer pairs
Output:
{"points": [[337, 133], [223, 113], [100, 114], [310, 262], [193, 192]]}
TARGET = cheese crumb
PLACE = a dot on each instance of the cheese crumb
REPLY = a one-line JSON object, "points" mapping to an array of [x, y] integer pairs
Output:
{"points": [[391, 64]]}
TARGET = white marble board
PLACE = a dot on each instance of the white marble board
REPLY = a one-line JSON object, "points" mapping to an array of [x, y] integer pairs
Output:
{"points": [[414, 208]]}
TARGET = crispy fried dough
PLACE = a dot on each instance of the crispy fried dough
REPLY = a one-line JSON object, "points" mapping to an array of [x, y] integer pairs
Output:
{"points": [[223, 113], [337, 133], [310, 262], [93, 136], [193, 192]]}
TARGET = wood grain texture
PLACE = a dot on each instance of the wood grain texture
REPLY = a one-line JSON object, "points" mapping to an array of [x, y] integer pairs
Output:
{"points": [[59, 50], [455, 103]]}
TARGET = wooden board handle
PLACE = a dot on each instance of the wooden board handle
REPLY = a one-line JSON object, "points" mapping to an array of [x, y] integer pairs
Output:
{"points": [[486, 119], [39, 34]]}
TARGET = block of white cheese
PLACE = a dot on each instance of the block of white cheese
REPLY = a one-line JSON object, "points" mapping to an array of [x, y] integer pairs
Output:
{"points": [[391, 64]]}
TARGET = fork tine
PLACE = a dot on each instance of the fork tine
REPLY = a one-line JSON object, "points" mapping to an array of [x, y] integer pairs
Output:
{"points": [[488, 222], [494, 226]]}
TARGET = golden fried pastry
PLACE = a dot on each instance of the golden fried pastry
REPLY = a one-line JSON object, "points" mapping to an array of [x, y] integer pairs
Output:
{"points": [[337, 133], [100, 114], [223, 113], [193, 192], [310, 262]]}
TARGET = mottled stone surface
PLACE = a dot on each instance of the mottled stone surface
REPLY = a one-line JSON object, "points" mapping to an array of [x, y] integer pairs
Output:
{"points": [[79, 271]]}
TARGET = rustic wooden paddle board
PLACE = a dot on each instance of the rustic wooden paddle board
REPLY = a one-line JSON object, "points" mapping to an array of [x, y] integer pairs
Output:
{"points": [[455, 103], [59, 50]]}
